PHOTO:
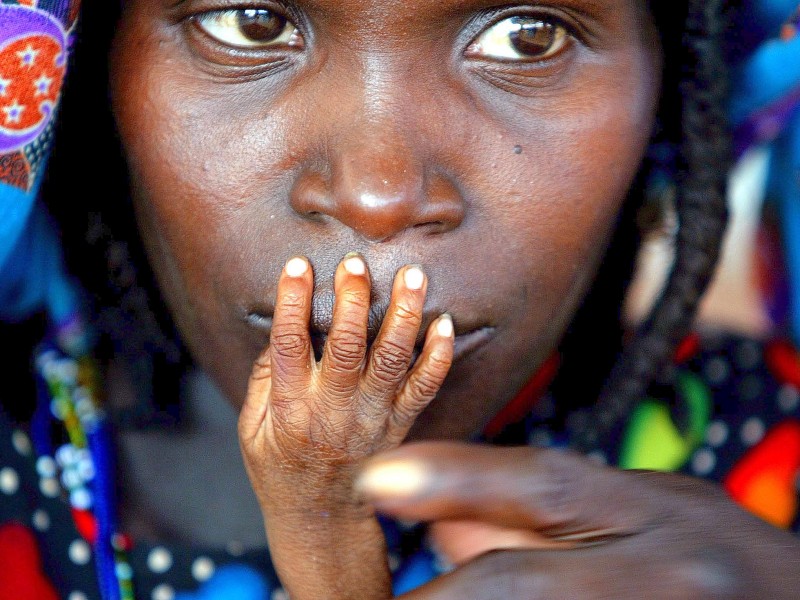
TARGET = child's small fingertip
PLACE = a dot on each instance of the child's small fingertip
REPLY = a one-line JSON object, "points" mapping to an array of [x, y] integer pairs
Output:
{"points": [[296, 267], [414, 278], [354, 264], [393, 480], [444, 326]]}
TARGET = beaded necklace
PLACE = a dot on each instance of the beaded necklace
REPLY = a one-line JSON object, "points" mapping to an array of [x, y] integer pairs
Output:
{"points": [[68, 409]]}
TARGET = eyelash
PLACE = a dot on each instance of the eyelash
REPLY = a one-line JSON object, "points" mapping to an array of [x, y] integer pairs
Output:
{"points": [[571, 32], [197, 20], [506, 48]]}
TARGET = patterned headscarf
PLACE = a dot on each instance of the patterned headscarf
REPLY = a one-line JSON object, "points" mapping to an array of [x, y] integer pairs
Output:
{"points": [[35, 39]]}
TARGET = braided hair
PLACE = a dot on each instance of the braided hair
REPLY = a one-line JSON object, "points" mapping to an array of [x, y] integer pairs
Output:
{"points": [[134, 322], [701, 213]]}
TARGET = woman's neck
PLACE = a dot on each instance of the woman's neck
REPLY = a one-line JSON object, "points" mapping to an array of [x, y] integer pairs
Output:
{"points": [[187, 485]]}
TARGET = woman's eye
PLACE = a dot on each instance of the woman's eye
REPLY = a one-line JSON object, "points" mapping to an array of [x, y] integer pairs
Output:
{"points": [[520, 38], [250, 28]]}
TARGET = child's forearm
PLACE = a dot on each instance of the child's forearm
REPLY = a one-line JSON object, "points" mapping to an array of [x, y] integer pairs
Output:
{"points": [[306, 426], [319, 554]]}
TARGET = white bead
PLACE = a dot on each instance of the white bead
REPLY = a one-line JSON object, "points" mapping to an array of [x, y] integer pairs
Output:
{"points": [[22, 442], [9, 481], [40, 520], [86, 469], [79, 552], [70, 478], [703, 462], [202, 568], [159, 560], [717, 434], [46, 466], [49, 487], [752, 431], [163, 592], [716, 371], [65, 455], [279, 594], [77, 596], [81, 499]]}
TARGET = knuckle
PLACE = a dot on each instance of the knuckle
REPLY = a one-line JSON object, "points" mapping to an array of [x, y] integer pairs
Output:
{"points": [[407, 316], [559, 487], [390, 360], [346, 346], [336, 390], [356, 299], [423, 387], [438, 364], [292, 304], [289, 344]]}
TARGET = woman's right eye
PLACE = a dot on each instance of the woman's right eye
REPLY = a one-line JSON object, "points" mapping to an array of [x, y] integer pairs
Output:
{"points": [[250, 28]]}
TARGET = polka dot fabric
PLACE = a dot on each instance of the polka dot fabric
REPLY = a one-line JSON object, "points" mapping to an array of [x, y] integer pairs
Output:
{"points": [[754, 391], [754, 407]]}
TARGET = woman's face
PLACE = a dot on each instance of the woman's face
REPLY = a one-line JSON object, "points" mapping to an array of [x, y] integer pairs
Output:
{"points": [[491, 143]]}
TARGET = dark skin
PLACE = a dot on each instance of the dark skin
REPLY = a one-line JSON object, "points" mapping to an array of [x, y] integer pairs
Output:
{"points": [[495, 154]]}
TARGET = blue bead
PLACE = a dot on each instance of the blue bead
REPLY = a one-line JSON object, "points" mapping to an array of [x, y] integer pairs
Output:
{"points": [[231, 581]]}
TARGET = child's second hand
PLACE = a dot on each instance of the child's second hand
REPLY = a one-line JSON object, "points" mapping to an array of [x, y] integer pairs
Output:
{"points": [[306, 426]]}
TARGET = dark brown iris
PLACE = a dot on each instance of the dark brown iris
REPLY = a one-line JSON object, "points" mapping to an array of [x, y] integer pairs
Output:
{"points": [[259, 25], [534, 37]]}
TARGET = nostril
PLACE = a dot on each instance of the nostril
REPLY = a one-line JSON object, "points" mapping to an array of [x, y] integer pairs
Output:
{"points": [[434, 226]]}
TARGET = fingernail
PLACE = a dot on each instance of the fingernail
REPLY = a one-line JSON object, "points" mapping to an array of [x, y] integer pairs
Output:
{"points": [[296, 267], [354, 265], [414, 278], [445, 326], [394, 480]]}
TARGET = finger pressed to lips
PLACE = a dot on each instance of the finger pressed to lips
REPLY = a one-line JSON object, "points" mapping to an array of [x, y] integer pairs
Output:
{"points": [[426, 377], [393, 348], [342, 363], [290, 342], [346, 345]]}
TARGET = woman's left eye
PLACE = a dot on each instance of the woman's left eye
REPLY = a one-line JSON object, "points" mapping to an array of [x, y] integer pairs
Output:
{"points": [[520, 38], [252, 28]]}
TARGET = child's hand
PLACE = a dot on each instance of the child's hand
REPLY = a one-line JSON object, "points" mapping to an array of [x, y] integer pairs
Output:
{"points": [[305, 426], [573, 529]]}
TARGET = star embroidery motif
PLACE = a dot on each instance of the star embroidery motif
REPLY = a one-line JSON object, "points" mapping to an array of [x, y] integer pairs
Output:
{"points": [[42, 85], [13, 112], [28, 56], [4, 83]]}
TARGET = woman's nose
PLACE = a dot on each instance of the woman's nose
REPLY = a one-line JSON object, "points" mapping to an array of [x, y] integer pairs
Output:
{"points": [[379, 190]]}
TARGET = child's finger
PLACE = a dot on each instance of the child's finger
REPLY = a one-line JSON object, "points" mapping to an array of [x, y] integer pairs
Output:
{"points": [[427, 376], [290, 343], [393, 348], [346, 345]]}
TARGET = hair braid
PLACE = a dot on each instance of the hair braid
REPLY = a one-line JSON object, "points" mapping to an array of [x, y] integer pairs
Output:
{"points": [[702, 215]]}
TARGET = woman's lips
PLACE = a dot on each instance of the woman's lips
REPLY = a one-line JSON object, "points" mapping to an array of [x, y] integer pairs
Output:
{"points": [[470, 341], [466, 341]]}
